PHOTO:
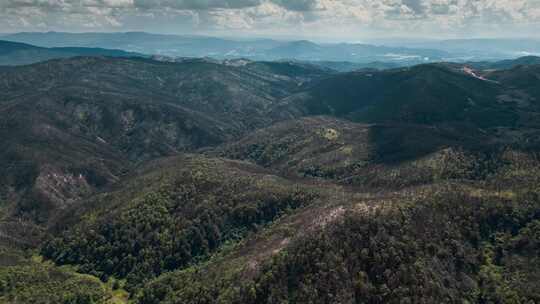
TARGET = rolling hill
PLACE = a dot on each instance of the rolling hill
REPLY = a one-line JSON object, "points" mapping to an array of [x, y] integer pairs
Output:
{"points": [[364, 155], [522, 80], [506, 64], [228, 214], [72, 126], [204, 181], [425, 94]]}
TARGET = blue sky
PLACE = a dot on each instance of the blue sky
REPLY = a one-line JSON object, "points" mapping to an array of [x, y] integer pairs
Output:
{"points": [[312, 19]]}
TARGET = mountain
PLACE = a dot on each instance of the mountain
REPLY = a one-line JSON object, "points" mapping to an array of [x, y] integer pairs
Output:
{"points": [[172, 45], [297, 50], [364, 155], [74, 126], [521, 80], [195, 219], [505, 64], [238, 181], [396, 52], [255, 49], [475, 49], [345, 66], [12, 53], [382, 252], [424, 94], [515, 46], [183, 208], [358, 53]]}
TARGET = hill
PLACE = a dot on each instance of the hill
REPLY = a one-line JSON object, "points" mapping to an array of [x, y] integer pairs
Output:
{"points": [[505, 64], [425, 249], [207, 181], [242, 247], [521, 80], [28, 279], [425, 94], [345, 66], [380, 155], [73, 126], [13, 53], [178, 210]]}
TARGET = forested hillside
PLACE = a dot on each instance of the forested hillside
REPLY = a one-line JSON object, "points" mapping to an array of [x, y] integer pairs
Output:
{"points": [[132, 180]]}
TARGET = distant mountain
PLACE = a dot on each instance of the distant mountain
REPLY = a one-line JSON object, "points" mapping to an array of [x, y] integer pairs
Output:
{"points": [[256, 49], [13, 53], [400, 52], [477, 49], [346, 66], [297, 50], [357, 53], [155, 44], [501, 45]]}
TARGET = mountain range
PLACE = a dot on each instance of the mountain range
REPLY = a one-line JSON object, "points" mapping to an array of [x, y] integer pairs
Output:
{"points": [[13, 53], [397, 51], [255, 49], [473, 48], [133, 180]]}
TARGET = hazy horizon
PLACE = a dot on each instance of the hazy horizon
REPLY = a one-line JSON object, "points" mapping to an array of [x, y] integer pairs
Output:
{"points": [[254, 36]]}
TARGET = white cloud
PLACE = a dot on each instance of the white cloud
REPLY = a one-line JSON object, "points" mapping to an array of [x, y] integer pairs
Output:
{"points": [[330, 17]]}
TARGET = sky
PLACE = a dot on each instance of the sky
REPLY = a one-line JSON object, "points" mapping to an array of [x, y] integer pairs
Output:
{"points": [[311, 19]]}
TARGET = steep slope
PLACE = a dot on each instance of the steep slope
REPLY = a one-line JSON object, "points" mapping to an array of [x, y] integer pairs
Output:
{"points": [[13, 53]]}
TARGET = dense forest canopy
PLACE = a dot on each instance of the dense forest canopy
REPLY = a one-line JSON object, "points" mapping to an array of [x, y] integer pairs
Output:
{"points": [[136, 180]]}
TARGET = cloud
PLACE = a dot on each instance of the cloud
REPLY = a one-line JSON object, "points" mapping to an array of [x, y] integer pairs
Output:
{"points": [[343, 17], [195, 4], [297, 5]]}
